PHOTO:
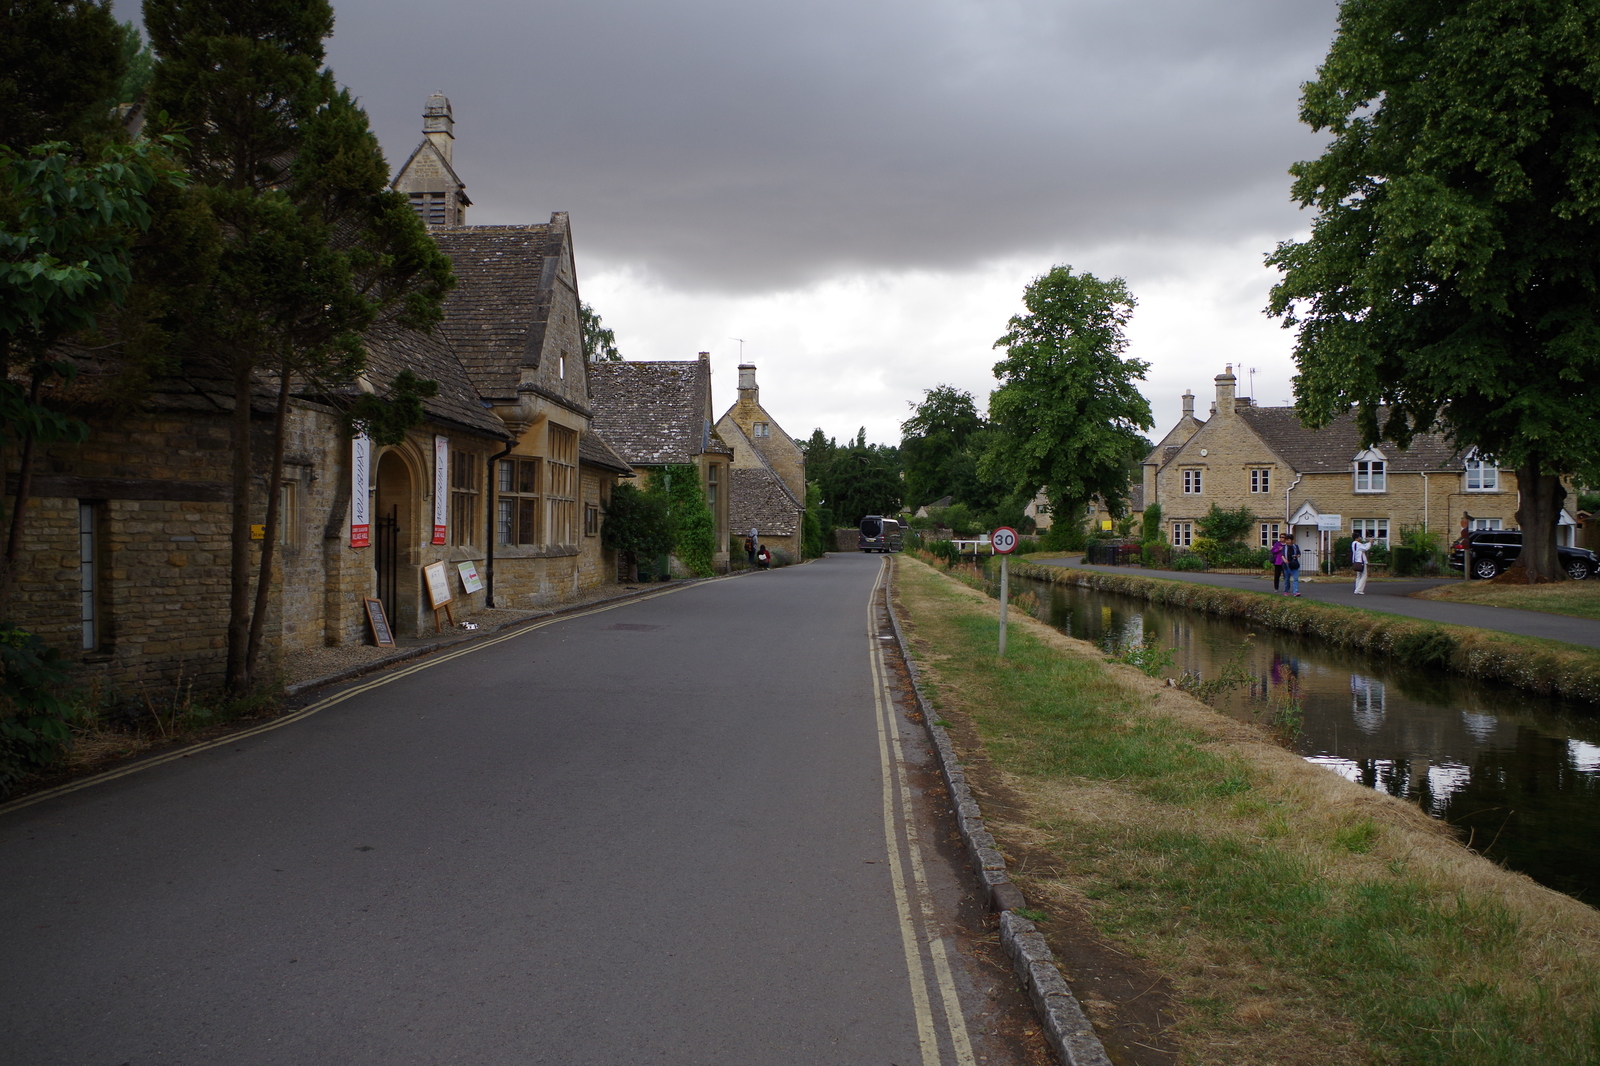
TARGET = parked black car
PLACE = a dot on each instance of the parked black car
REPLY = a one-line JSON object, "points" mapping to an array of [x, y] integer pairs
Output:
{"points": [[1493, 550]]}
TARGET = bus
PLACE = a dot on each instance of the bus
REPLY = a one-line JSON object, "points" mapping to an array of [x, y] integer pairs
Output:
{"points": [[879, 534]]}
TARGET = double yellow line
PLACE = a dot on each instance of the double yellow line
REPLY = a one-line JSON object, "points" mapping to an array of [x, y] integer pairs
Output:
{"points": [[901, 832], [427, 663]]}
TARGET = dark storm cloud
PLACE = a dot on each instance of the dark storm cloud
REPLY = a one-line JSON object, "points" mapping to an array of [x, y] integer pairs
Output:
{"points": [[745, 146]]}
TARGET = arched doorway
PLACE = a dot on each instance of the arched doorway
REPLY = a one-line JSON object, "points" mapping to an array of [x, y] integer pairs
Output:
{"points": [[394, 528]]}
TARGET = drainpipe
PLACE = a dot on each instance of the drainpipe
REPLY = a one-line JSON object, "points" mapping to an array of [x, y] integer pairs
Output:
{"points": [[1288, 514], [489, 523], [1424, 474]]}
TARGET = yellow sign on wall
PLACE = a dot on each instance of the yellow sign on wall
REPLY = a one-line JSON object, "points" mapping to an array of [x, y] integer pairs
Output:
{"points": [[1105, 523], [258, 532]]}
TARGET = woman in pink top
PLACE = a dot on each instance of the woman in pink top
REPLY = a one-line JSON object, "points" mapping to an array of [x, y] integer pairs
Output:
{"points": [[1277, 563]]}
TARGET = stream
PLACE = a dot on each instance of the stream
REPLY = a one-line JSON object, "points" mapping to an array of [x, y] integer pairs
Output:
{"points": [[1516, 774]]}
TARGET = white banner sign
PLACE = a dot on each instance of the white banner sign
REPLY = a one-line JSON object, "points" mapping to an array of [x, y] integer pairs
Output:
{"points": [[441, 487], [360, 498], [1330, 523]]}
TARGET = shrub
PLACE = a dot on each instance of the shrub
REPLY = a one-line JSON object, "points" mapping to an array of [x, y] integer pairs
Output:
{"points": [[1188, 560], [1151, 531], [36, 711]]}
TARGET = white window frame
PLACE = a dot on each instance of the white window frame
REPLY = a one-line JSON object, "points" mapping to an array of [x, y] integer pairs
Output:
{"points": [[1377, 529], [1182, 534], [1261, 479], [1192, 483], [761, 429], [1270, 531], [1486, 474], [1371, 472], [1486, 523]]}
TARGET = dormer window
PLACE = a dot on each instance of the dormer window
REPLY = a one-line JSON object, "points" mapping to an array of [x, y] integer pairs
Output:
{"points": [[1372, 472], [1482, 476]]}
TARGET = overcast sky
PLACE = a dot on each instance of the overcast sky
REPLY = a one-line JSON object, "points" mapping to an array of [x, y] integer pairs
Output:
{"points": [[861, 189]]}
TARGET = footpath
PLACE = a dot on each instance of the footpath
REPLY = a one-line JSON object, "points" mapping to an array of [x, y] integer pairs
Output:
{"points": [[1387, 597]]}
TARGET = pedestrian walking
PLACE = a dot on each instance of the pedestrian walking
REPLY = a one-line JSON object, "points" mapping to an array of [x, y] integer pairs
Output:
{"points": [[1291, 566], [1359, 549], [1277, 563]]}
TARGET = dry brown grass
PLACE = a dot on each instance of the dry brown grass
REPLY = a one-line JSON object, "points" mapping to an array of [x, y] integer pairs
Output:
{"points": [[1254, 985]]}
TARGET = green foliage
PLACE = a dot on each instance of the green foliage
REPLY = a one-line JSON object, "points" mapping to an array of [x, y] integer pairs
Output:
{"points": [[1150, 531], [36, 710], [1065, 534], [637, 522], [1148, 658], [937, 449], [60, 65], [1450, 278], [694, 539], [813, 538], [856, 479], [599, 343], [138, 65], [1227, 527], [1188, 561], [1068, 411]]}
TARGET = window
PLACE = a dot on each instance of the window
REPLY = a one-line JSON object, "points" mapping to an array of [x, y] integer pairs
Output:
{"points": [[519, 514], [1269, 533], [464, 489], [1182, 534], [1371, 475], [1482, 476], [88, 574], [1376, 529], [591, 520], [713, 479], [1261, 480], [1191, 482], [762, 429], [563, 366], [563, 486], [1486, 523], [289, 515]]}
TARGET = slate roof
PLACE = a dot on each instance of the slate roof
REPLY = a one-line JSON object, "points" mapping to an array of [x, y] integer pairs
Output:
{"points": [[495, 318], [1330, 450], [594, 451], [653, 413], [428, 355], [758, 498]]}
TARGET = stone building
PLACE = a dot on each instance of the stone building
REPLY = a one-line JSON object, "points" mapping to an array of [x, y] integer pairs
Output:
{"points": [[658, 414], [1318, 484], [505, 483], [767, 490], [428, 177]]}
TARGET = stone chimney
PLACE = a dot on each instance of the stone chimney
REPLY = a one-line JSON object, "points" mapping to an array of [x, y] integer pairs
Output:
{"points": [[1188, 404], [1225, 384], [439, 124], [748, 393]]}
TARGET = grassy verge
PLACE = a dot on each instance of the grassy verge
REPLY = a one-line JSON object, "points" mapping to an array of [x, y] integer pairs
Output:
{"points": [[1580, 599], [1545, 666], [1296, 917]]}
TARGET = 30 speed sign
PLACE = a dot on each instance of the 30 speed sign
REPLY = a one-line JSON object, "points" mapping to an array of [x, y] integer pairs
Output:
{"points": [[1004, 540]]}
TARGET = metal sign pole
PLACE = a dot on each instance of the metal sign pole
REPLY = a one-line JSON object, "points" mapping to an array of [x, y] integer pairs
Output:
{"points": [[1005, 589]]}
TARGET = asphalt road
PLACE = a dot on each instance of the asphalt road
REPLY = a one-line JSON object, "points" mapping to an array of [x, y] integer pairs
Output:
{"points": [[671, 831]]}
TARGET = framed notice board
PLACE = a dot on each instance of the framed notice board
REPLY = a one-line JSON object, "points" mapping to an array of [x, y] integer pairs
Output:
{"points": [[381, 635], [438, 584]]}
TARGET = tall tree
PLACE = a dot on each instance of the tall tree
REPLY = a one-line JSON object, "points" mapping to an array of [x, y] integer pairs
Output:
{"points": [[1450, 281], [1067, 407], [599, 343], [61, 62], [861, 479], [314, 247], [935, 446]]}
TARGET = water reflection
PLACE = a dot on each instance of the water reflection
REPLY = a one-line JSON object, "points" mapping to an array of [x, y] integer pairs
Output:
{"points": [[1517, 774]]}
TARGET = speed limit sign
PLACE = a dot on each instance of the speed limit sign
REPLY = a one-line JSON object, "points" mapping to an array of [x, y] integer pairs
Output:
{"points": [[1004, 540]]}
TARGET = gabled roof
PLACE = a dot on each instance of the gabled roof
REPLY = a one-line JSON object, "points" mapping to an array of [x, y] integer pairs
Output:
{"points": [[495, 318], [391, 349], [594, 451], [757, 497], [1332, 448], [432, 149], [654, 413]]}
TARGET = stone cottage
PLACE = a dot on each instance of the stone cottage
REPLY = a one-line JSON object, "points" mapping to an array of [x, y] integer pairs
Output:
{"points": [[767, 487]]}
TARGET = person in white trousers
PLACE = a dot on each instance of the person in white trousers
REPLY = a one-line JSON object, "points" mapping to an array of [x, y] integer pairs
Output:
{"points": [[1358, 559]]}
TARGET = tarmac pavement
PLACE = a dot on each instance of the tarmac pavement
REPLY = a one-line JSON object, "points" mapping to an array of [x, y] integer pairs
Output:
{"points": [[1390, 597], [689, 828]]}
